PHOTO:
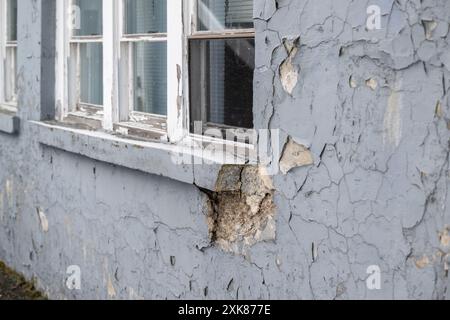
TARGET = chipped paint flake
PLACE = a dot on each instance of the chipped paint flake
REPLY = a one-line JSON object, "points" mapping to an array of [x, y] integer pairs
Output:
{"points": [[392, 120], [444, 238], [423, 262], [372, 84], [111, 290], [429, 26], [295, 155], [43, 220], [289, 73]]}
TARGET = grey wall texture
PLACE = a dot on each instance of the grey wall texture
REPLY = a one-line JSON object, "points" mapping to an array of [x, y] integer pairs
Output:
{"points": [[370, 110]]}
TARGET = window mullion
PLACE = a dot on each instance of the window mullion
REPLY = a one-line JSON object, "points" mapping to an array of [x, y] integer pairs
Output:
{"points": [[175, 71], [62, 49], [110, 64], [2, 49]]}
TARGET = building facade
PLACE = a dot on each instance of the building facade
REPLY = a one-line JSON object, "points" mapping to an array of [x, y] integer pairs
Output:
{"points": [[119, 179]]}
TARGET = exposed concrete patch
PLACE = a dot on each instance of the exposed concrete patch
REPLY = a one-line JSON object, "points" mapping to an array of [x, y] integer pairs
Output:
{"points": [[289, 72], [241, 210], [372, 84], [295, 155], [423, 262]]}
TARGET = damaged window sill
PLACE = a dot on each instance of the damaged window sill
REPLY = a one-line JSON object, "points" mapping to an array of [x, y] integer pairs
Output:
{"points": [[178, 162], [9, 121]]}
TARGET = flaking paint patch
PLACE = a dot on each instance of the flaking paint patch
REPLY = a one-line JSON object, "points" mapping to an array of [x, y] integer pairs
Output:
{"points": [[352, 82], [430, 26], [295, 155], [392, 132], [423, 262], [439, 112], [444, 238], [111, 290], [372, 84], [9, 192], [43, 220], [289, 72]]}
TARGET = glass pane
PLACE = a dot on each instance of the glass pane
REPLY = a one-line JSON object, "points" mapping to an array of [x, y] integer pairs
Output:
{"points": [[221, 81], [146, 16], [150, 77], [89, 19], [10, 75], [91, 73], [11, 20], [216, 15]]}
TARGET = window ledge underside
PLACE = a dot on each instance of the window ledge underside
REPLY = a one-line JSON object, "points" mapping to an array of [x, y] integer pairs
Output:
{"points": [[9, 121], [157, 158]]}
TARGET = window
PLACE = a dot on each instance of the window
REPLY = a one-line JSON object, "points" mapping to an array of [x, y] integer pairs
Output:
{"points": [[156, 68], [85, 68], [221, 64], [143, 47], [8, 52]]}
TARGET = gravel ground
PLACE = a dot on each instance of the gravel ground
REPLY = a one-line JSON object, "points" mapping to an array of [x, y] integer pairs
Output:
{"points": [[13, 286]]}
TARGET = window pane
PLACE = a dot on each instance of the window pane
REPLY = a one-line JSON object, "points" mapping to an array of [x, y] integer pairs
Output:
{"points": [[11, 20], [90, 19], [91, 73], [216, 15], [150, 77], [221, 81], [146, 16], [10, 75]]}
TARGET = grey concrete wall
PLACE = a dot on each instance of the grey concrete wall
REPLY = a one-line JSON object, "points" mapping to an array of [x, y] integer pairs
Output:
{"points": [[372, 108]]}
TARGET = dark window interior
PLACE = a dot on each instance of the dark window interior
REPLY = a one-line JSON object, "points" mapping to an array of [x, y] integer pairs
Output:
{"points": [[221, 82]]}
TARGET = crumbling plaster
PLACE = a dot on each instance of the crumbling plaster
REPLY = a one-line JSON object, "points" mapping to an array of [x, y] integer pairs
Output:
{"points": [[370, 111]]}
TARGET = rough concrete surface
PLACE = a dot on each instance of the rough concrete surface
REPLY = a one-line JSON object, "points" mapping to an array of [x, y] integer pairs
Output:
{"points": [[370, 108]]}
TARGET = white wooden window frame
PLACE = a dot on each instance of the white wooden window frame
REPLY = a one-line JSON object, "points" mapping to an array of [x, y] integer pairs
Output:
{"points": [[7, 71], [117, 114]]}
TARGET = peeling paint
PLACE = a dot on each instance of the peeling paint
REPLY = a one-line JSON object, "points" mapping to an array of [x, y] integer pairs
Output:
{"points": [[289, 72], [444, 238], [423, 262], [43, 220], [111, 290], [294, 156], [9, 191], [372, 84], [429, 26], [393, 120]]}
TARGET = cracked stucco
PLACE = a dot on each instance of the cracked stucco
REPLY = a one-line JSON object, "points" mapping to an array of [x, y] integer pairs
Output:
{"points": [[241, 209], [364, 104]]}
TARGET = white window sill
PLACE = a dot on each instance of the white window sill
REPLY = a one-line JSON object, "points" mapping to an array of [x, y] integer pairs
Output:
{"points": [[157, 158], [9, 121]]}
